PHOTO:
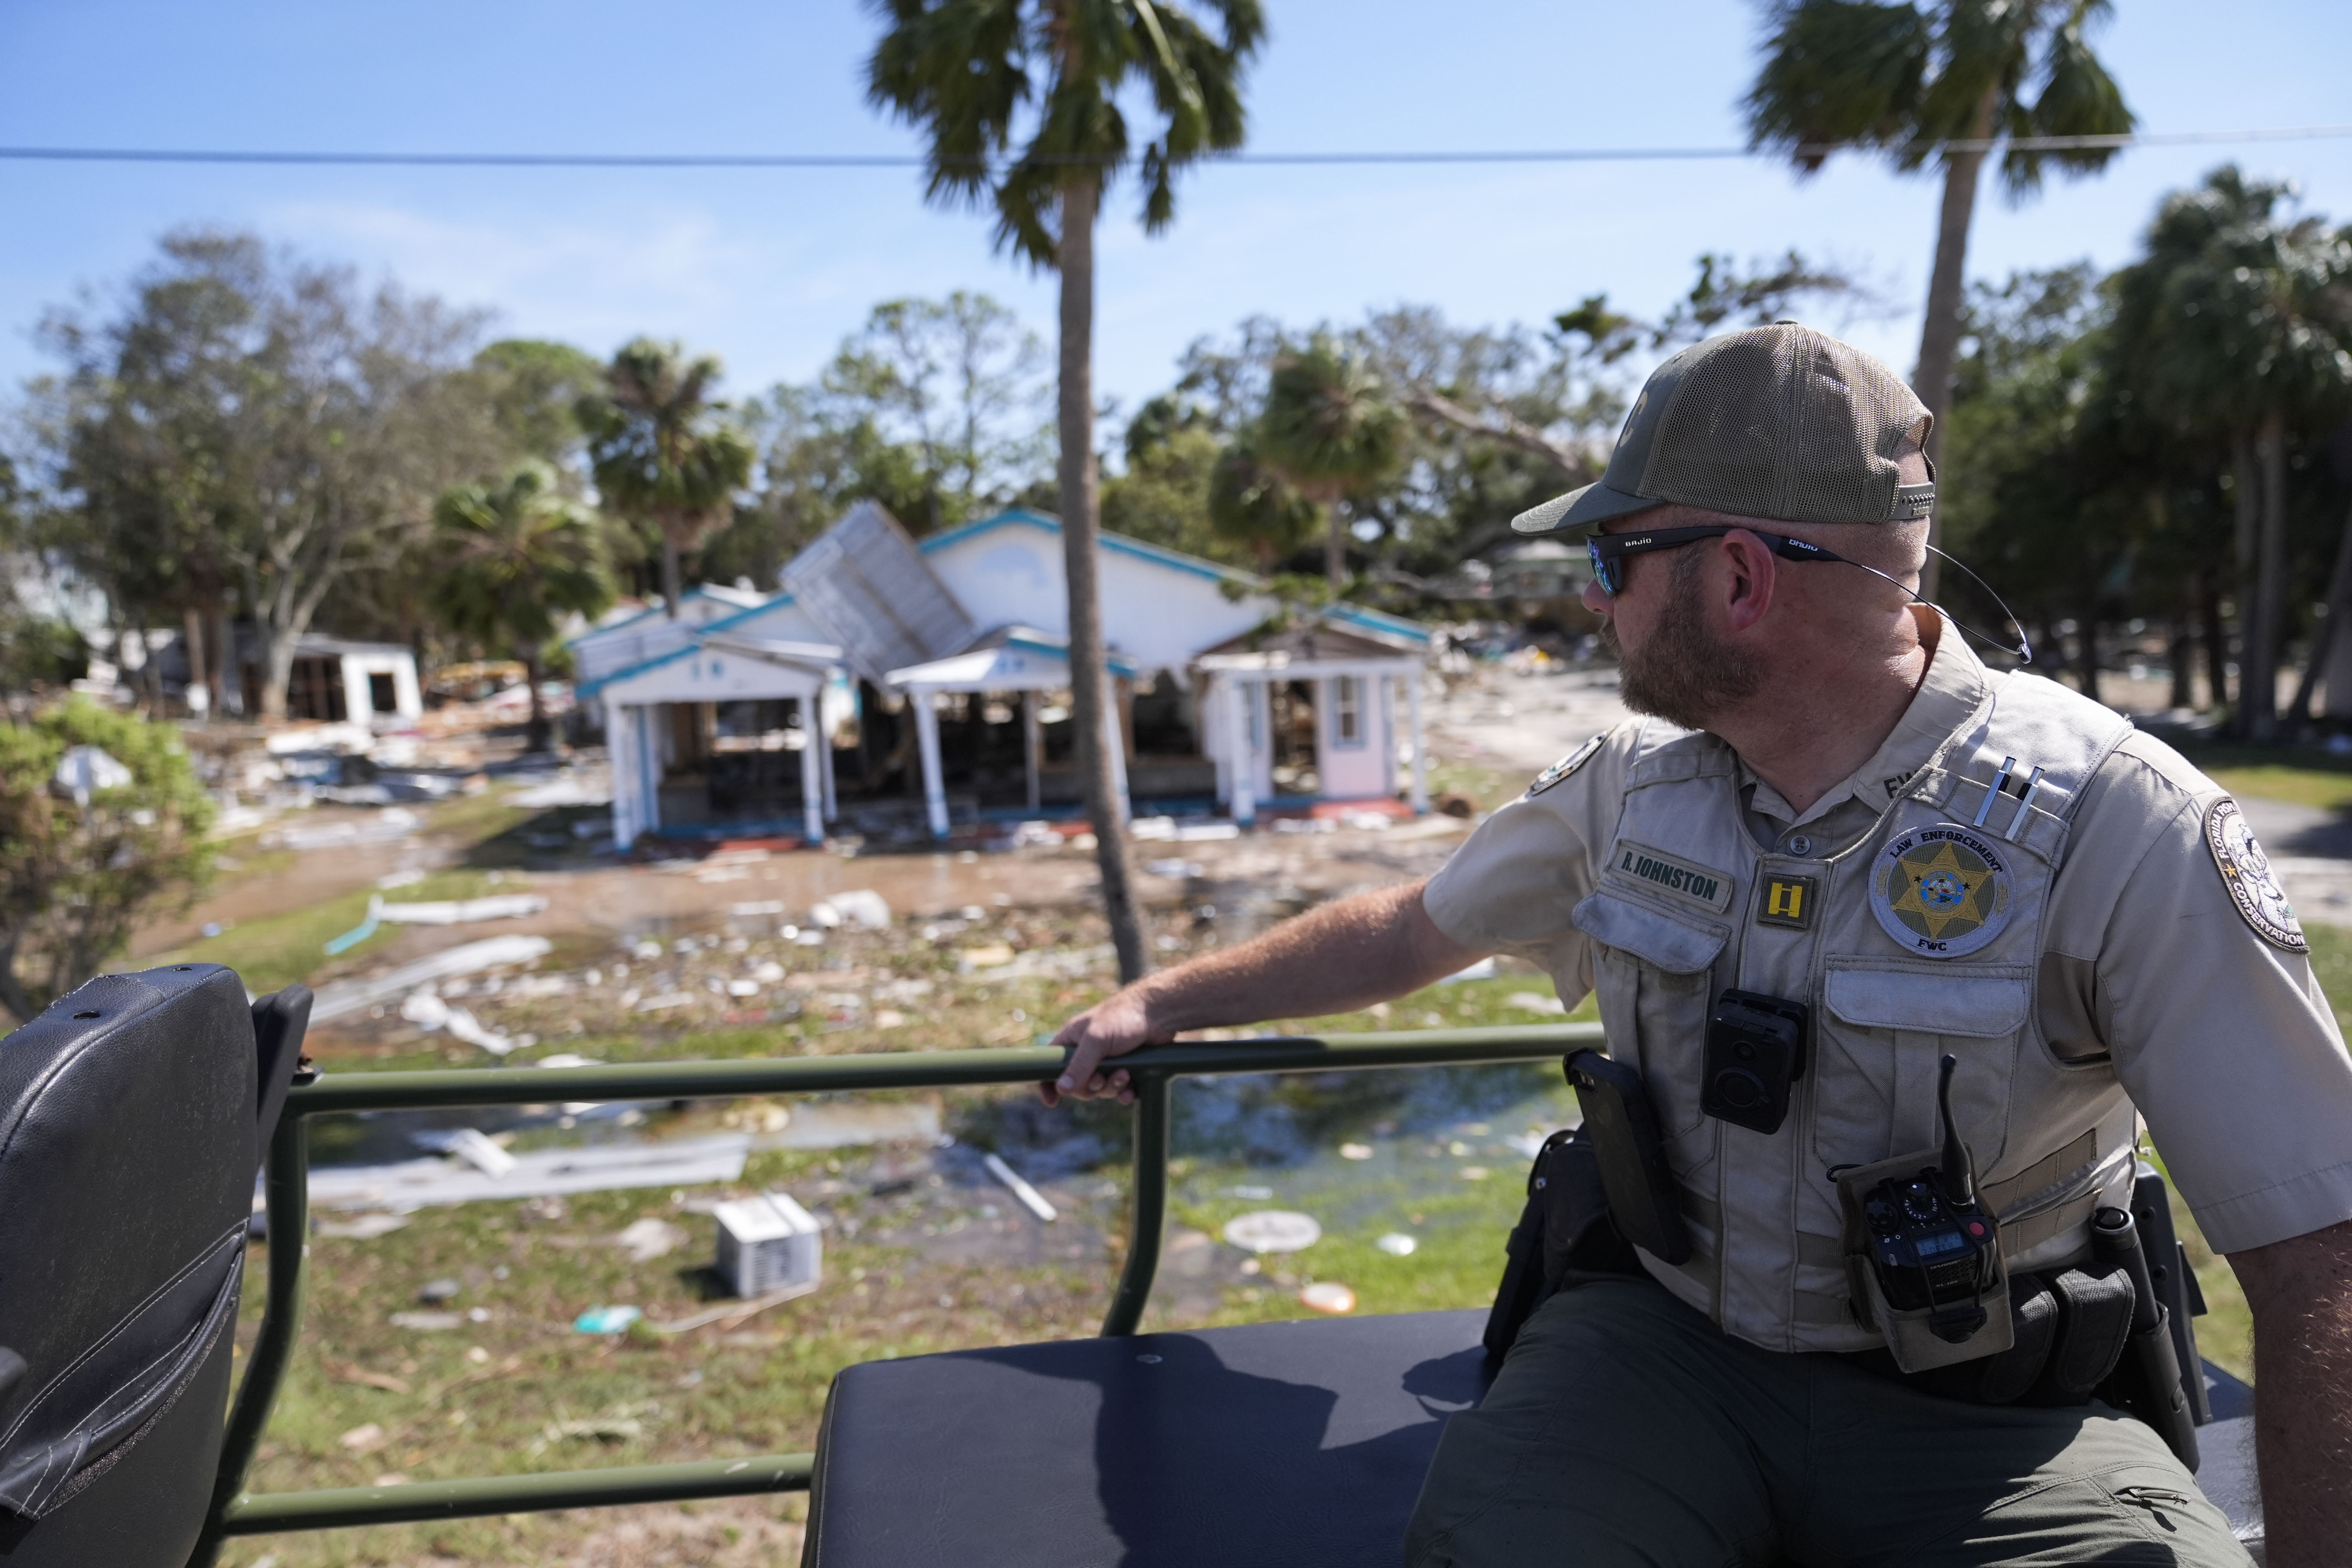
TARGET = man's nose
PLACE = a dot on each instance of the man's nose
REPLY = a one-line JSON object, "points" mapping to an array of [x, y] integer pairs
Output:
{"points": [[1595, 600]]}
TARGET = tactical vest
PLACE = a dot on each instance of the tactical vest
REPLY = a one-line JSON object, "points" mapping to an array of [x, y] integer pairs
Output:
{"points": [[1923, 938]]}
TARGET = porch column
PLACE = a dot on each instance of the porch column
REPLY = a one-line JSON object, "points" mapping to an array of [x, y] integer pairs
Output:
{"points": [[1115, 744], [1241, 796], [622, 742], [813, 791], [927, 736], [824, 736], [1419, 799], [1033, 751], [1385, 734]]}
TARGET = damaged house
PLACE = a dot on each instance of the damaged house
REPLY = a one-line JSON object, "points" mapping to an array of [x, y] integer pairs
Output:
{"points": [[899, 685]]}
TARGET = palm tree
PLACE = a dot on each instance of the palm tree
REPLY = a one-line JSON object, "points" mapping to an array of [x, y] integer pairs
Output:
{"points": [[663, 452], [1329, 429], [513, 560], [1250, 504], [2238, 333], [1906, 78], [975, 74]]}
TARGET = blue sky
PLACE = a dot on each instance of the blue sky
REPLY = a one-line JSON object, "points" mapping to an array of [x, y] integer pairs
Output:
{"points": [[771, 268]]}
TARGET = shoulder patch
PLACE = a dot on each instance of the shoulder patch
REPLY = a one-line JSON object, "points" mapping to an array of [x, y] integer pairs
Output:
{"points": [[1566, 765], [2246, 872]]}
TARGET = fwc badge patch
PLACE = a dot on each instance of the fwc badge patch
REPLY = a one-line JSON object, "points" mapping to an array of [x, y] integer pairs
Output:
{"points": [[1566, 765], [2246, 872], [1941, 892]]}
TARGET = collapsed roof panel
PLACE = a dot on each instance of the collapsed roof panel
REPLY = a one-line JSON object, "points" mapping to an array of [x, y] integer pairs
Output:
{"points": [[871, 591]]}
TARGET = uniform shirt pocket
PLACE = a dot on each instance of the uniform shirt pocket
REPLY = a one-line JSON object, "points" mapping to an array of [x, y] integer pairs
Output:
{"points": [[1653, 974], [1882, 1034]]}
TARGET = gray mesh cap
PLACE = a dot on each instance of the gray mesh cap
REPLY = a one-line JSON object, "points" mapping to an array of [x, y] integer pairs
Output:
{"points": [[1779, 422]]}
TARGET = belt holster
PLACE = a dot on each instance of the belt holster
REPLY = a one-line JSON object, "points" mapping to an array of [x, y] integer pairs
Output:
{"points": [[1564, 1237]]}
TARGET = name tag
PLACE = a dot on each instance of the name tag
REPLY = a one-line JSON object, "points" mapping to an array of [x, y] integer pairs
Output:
{"points": [[1671, 875]]}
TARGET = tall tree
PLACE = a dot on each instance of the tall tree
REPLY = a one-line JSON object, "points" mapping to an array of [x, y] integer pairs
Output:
{"points": [[975, 75], [665, 453], [956, 379], [1332, 431], [2240, 329], [255, 425], [1905, 78], [512, 560]]}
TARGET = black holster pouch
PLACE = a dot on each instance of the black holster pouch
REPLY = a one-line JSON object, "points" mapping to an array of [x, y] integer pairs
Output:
{"points": [[2070, 1329], [1564, 1236]]}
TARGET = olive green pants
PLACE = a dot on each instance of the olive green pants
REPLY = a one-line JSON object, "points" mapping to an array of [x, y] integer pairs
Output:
{"points": [[1625, 1428]]}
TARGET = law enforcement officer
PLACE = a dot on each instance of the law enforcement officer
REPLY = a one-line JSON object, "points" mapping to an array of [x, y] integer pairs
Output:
{"points": [[1830, 799]]}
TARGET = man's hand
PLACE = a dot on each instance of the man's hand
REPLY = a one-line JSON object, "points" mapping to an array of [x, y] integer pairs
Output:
{"points": [[1370, 948], [2301, 1293], [1111, 1028]]}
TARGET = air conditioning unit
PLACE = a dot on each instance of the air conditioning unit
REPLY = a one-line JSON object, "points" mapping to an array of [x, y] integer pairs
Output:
{"points": [[768, 1243]]}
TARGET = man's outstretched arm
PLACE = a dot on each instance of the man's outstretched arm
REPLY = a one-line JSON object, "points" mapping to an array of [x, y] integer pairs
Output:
{"points": [[2301, 1293], [1345, 955]]}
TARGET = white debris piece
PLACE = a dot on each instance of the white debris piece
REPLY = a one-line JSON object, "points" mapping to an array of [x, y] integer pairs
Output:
{"points": [[1534, 1002], [1482, 970], [646, 1239], [474, 1146], [768, 1243], [403, 879], [1031, 1198], [861, 907], [757, 907], [83, 771], [462, 911], [589, 791], [341, 997], [1273, 1230], [393, 822], [424, 1183]]}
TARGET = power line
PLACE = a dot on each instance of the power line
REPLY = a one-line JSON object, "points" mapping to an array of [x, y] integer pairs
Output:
{"points": [[916, 161]]}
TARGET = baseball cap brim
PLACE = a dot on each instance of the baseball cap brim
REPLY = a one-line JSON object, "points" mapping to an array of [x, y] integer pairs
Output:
{"points": [[1593, 504]]}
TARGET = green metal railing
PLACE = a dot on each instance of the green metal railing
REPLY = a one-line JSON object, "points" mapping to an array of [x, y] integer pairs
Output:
{"points": [[1153, 1072]]}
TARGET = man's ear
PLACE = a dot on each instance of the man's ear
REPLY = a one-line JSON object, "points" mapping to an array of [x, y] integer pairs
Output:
{"points": [[1753, 574]]}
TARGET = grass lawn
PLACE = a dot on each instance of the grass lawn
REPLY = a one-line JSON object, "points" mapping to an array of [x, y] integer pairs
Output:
{"points": [[2301, 775]]}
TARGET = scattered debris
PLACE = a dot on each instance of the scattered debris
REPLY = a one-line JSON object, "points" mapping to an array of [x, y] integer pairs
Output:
{"points": [[433, 1292], [83, 771], [605, 1320], [768, 1243], [351, 1372], [474, 1146], [422, 1184], [853, 1123], [1355, 1150], [365, 1439], [463, 912], [342, 997], [1474, 1173], [1327, 1296], [862, 908], [359, 933], [390, 824], [1485, 968], [406, 878], [1273, 1230], [1532, 1001], [1031, 1198], [646, 1239], [1396, 1244], [428, 1322], [565, 791], [756, 909], [428, 1012], [1179, 870], [366, 1228]]}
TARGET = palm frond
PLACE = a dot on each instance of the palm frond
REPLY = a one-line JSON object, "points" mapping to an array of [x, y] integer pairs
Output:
{"points": [[1839, 71]]}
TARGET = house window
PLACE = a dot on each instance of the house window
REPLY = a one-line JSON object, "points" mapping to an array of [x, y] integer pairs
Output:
{"points": [[382, 696], [1347, 710]]}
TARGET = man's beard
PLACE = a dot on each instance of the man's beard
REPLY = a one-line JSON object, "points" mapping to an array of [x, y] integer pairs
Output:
{"points": [[1683, 673]]}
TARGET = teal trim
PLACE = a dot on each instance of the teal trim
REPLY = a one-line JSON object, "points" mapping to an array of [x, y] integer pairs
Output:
{"points": [[699, 591], [1118, 665], [1378, 620], [723, 622], [1117, 543], [590, 689]]}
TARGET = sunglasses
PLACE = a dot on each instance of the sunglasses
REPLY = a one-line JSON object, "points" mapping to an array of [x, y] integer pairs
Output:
{"points": [[1607, 553]]}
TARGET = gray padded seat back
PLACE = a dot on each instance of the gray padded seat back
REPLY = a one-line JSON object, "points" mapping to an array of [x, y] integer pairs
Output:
{"points": [[127, 1154]]}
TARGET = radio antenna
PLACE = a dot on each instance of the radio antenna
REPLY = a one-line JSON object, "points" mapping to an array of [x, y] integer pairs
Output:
{"points": [[1959, 1168]]}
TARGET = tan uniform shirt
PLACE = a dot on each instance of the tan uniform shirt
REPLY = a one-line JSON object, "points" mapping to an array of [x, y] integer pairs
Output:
{"points": [[2126, 969]]}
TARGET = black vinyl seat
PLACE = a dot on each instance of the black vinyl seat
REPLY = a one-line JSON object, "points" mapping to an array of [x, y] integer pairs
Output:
{"points": [[129, 1116], [1297, 1444]]}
